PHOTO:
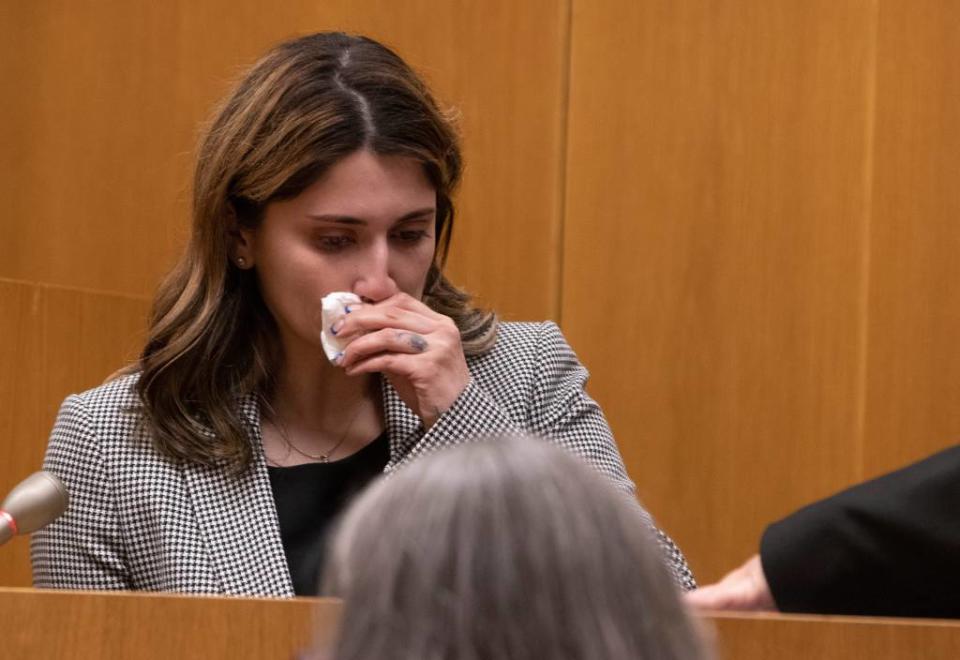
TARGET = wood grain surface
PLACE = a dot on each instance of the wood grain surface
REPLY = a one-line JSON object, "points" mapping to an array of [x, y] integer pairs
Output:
{"points": [[713, 261], [785, 637], [67, 625], [82, 625], [912, 376]]}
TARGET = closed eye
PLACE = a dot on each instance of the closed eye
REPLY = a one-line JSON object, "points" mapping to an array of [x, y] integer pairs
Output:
{"points": [[410, 236], [334, 243]]}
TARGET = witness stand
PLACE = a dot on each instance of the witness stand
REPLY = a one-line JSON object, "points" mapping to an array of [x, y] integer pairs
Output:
{"points": [[798, 637], [62, 624], [83, 625]]}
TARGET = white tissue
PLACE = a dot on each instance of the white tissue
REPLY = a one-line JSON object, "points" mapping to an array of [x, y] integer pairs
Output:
{"points": [[334, 306]]}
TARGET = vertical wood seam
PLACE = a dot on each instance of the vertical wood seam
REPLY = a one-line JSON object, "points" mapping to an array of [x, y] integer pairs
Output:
{"points": [[559, 247], [863, 315]]}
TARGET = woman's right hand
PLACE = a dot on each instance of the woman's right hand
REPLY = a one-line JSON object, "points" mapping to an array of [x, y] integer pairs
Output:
{"points": [[416, 348]]}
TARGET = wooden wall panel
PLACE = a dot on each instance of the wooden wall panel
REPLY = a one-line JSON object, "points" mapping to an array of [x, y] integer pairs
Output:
{"points": [[98, 140], [53, 342], [913, 370], [715, 219], [92, 165]]}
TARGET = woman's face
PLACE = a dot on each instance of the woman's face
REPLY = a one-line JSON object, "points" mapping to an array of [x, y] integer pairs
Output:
{"points": [[366, 226]]}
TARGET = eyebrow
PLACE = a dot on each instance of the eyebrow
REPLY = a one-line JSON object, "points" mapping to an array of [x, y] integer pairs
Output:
{"points": [[350, 220]]}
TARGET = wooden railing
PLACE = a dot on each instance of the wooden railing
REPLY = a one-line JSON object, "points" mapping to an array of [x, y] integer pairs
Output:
{"points": [[61, 624]]}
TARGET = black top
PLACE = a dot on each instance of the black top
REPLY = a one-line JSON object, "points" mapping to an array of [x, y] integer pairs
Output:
{"points": [[887, 547], [310, 496]]}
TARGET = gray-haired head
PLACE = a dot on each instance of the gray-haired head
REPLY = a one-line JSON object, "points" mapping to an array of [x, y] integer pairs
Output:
{"points": [[505, 550]]}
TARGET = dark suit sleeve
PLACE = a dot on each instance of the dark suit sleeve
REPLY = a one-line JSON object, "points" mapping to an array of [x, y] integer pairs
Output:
{"points": [[890, 546]]}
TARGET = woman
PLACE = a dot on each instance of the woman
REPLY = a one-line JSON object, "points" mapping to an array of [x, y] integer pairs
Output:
{"points": [[502, 550], [216, 463]]}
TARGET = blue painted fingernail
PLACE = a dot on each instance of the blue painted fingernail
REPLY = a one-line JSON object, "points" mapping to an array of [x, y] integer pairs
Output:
{"points": [[335, 328], [346, 309], [338, 358]]}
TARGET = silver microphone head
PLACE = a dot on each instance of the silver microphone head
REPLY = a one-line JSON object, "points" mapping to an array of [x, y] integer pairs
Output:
{"points": [[36, 502]]}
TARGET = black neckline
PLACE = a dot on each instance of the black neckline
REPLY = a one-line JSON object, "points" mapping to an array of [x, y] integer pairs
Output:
{"points": [[346, 460]]}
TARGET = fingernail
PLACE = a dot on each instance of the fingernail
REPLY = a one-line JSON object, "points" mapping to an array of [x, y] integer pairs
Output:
{"points": [[346, 309], [338, 358], [335, 328]]}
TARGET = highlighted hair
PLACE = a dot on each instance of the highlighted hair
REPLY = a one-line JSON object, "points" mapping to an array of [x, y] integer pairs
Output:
{"points": [[304, 106]]}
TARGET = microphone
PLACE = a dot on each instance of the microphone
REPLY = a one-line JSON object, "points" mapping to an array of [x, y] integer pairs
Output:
{"points": [[36, 502]]}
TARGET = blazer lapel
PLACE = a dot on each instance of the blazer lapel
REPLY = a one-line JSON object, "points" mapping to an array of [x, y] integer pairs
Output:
{"points": [[403, 426], [238, 519]]}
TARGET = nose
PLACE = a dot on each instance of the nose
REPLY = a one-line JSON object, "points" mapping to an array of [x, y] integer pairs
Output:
{"points": [[374, 281]]}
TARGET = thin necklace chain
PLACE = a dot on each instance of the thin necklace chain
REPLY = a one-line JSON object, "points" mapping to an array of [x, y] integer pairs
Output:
{"points": [[325, 456]]}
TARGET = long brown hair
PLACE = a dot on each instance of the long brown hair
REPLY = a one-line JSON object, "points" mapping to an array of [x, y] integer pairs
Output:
{"points": [[304, 106], [503, 550]]}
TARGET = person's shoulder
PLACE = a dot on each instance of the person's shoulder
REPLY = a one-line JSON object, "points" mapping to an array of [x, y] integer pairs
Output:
{"points": [[523, 346], [530, 333], [96, 420], [542, 338], [117, 394]]}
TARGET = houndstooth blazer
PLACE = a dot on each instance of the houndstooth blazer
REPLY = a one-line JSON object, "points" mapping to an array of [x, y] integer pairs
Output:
{"points": [[139, 520]]}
